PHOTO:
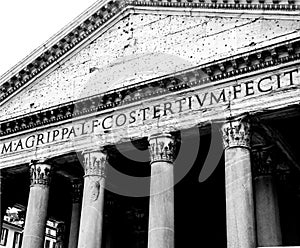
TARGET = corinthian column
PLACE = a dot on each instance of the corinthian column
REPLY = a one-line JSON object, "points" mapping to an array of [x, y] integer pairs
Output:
{"points": [[90, 232], [238, 179], [36, 214], [75, 218], [267, 210], [161, 212]]}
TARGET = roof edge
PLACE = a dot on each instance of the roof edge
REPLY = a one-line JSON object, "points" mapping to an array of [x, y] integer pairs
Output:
{"points": [[98, 15]]}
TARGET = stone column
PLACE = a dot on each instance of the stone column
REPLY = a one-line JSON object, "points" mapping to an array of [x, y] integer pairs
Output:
{"points": [[36, 214], [75, 218], [238, 179], [267, 210], [161, 211], [60, 235], [90, 232]]}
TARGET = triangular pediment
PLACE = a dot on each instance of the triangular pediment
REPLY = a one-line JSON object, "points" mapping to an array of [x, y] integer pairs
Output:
{"points": [[137, 44]]}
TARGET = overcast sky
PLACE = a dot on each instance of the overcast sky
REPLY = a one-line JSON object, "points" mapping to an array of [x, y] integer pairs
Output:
{"points": [[26, 24]]}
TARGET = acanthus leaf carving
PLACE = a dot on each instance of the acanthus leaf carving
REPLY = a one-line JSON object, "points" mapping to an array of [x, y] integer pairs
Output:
{"points": [[236, 134], [40, 174], [95, 163], [162, 148]]}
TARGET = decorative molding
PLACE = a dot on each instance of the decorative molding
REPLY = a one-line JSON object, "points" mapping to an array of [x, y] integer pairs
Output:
{"points": [[236, 134], [94, 190], [223, 4], [95, 163], [40, 174], [223, 69], [96, 20], [162, 148]]}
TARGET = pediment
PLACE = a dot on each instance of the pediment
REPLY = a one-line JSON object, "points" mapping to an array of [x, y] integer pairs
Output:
{"points": [[141, 46]]}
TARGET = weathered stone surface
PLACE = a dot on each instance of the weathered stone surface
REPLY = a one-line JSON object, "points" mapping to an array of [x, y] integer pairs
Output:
{"points": [[260, 101], [161, 209], [90, 231], [267, 212], [239, 199], [142, 46], [238, 182], [36, 213]]}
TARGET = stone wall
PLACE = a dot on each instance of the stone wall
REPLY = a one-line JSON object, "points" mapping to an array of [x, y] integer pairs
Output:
{"points": [[144, 46]]}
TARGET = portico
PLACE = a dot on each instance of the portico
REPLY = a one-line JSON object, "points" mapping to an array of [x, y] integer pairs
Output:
{"points": [[111, 138]]}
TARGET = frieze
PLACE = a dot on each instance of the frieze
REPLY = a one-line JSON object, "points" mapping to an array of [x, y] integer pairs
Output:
{"points": [[105, 13], [223, 70], [193, 101]]}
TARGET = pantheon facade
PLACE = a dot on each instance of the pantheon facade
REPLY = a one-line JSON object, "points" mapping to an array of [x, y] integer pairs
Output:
{"points": [[158, 124]]}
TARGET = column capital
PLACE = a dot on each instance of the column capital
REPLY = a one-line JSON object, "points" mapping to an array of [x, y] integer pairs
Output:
{"points": [[94, 163], [236, 134], [40, 174], [77, 186], [161, 147], [262, 161]]}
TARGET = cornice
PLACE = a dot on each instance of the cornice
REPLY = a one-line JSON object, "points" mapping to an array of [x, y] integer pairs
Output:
{"points": [[231, 67], [26, 72]]}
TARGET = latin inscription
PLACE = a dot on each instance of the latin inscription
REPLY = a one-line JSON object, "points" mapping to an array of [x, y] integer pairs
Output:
{"points": [[118, 120]]}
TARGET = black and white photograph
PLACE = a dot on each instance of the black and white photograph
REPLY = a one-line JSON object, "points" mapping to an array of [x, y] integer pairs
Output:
{"points": [[150, 124]]}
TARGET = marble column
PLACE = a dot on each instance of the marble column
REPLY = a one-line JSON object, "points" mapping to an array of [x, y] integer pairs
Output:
{"points": [[161, 211], [90, 231], [36, 213], [75, 217], [238, 179], [267, 210]]}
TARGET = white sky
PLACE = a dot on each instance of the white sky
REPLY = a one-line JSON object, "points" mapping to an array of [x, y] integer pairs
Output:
{"points": [[26, 24]]}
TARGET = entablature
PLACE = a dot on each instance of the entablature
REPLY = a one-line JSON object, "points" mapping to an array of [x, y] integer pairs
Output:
{"points": [[191, 105], [233, 68]]}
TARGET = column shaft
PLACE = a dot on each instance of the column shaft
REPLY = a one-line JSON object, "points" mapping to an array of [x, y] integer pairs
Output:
{"points": [[75, 217], [90, 232], [267, 210], [36, 214], [161, 212], [239, 193], [74, 228]]}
